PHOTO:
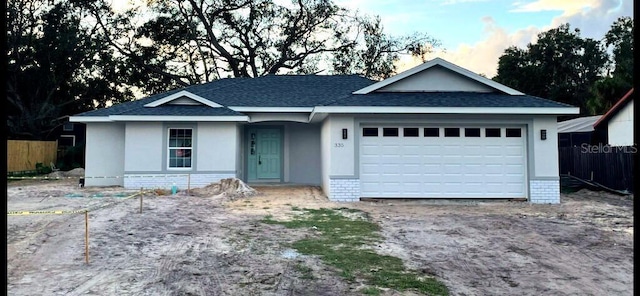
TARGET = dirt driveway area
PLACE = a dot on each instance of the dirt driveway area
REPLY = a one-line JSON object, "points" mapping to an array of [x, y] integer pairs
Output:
{"points": [[216, 245]]}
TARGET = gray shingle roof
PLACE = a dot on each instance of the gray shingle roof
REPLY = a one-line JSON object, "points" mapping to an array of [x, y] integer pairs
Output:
{"points": [[137, 108], [444, 99], [281, 90], [266, 91], [310, 91]]}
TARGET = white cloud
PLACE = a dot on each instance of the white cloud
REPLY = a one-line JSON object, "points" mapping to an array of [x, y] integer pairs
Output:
{"points": [[454, 2], [482, 57], [122, 5], [568, 6], [595, 22]]}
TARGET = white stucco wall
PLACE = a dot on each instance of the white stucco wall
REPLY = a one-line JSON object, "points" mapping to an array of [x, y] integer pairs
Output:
{"points": [[544, 153], [216, 146], [143, 146], [620, 127], [437, 79], [104, 155], [342, 151], [339, 180]]}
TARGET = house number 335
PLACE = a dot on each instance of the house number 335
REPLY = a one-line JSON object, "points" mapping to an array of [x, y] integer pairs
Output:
{"points": [[338, 145]]}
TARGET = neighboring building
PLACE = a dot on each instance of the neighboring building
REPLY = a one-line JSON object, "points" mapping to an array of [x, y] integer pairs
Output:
{"points": [[618, 122], [578, 131], [434, 131], [71, 134]]}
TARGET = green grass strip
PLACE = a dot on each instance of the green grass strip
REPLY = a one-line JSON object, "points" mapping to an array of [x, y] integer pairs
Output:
{"points": [[343, 240]]}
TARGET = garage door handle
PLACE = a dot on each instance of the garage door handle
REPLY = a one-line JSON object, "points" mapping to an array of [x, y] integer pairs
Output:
{"points": [[259, 160]]}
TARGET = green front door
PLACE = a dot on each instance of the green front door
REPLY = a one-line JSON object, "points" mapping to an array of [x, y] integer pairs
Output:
{"points": [[267, 153]]}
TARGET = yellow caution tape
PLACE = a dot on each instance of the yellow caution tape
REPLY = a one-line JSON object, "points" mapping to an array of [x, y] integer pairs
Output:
{"points": [[59, 212], [24, 213], [95, 177]]}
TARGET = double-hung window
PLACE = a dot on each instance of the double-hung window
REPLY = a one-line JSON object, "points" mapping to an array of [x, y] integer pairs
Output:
{"points": [[180, 148]]}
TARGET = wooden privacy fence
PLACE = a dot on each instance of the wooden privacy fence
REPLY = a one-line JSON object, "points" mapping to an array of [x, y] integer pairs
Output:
{"points": [[24, 155], [604, 164]]}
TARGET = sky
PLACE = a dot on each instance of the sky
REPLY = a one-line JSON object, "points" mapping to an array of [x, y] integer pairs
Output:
{"points": [[474, 33]]}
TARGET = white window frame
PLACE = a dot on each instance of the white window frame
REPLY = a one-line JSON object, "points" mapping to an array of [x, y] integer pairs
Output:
{"points": [[67, 127], [73, 139], [169, 148]]}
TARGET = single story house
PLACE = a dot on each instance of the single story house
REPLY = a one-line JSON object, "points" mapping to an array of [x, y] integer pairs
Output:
{"points": [[618, 122], [578, 131], [434, 131]]}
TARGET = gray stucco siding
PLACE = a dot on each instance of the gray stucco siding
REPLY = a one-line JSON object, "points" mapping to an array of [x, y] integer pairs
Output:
{"points": [[304, 154], [217, 146], [105, 152], [143, 146]]}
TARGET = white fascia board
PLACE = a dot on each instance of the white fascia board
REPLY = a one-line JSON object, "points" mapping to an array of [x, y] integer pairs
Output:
{"points": [[183, 93], [316, 117], [176, 118], [89, 119], [449, 110], [443, 63], [270, 109]]}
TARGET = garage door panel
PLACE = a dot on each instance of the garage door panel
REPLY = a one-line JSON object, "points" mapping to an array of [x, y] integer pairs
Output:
{"points": [[466, 167], [432, 149]]}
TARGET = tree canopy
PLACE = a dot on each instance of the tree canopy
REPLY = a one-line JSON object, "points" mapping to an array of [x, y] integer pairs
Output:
{"points": [[607, 91], [565, 67], [57, 66], [66, 57], [182, 42]]}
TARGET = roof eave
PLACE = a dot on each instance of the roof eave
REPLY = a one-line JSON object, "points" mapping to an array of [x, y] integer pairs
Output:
{"points": [[448, 110], [189, 118]]}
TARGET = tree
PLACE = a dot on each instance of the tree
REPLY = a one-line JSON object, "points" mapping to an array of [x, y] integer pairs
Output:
{"points": [[184, 42], [56, 67], [560, 66], [609, 89]]}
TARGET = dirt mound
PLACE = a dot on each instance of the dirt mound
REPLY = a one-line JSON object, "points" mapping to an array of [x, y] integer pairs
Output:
{"points": [[77, 172], [231, 188], [56, 175]]}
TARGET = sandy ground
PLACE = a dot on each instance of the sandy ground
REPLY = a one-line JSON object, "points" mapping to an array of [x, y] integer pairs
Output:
{"points": [[199, 245]]}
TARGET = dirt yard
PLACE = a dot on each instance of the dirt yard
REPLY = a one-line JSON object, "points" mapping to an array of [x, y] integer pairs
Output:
{"points": [[204, 245]]}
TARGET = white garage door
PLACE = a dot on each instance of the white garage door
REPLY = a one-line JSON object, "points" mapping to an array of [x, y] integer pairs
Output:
{"points": [[442, 162]]}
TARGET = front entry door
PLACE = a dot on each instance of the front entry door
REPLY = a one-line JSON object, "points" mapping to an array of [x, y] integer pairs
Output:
{"points": [[267, 158]]}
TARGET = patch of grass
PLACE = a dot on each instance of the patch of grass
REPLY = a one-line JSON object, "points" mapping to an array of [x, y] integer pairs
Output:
{"points": [[247, 201], [343, 242], [294, 208], [306, 271], [371, 291]]}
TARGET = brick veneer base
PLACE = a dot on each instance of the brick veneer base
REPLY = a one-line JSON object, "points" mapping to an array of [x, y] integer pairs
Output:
{"points": [[344, 190], [166, 181], [544, 191]]}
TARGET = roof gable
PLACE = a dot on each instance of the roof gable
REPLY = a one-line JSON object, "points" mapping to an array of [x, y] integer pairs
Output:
{"points": [[429, 77], [183, 98]]}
